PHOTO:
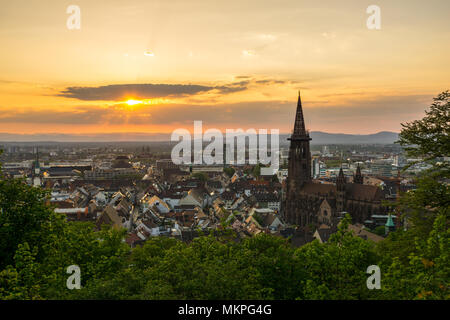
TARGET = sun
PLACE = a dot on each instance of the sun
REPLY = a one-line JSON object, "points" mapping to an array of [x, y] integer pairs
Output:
{"points": [[132, 102]]}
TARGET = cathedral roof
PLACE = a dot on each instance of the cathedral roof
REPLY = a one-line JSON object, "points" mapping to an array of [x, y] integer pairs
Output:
{"points": [[318, 188], [363, 192], [353, 190]]}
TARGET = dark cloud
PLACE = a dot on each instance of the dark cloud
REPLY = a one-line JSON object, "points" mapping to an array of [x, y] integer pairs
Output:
{"points": [[233, 87], [269, 81], [120, 92], [117, 92]]}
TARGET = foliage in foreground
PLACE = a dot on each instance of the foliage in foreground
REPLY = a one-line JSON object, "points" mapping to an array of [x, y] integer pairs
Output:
{"points": [[210, 267]]}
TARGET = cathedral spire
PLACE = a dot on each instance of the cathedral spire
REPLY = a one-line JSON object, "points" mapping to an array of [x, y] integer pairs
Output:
{"points": [[299, 169], [299, 126], [341, 178], [358, 176], [341, 173]]}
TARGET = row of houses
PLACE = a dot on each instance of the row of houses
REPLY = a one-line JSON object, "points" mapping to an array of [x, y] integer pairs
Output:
{"points": [[183, 207]]}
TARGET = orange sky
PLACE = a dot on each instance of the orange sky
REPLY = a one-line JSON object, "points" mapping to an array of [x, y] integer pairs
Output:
{"points": [[231, 64]]}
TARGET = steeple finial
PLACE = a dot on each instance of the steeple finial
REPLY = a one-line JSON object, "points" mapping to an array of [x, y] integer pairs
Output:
{"points": [[299, 126]]}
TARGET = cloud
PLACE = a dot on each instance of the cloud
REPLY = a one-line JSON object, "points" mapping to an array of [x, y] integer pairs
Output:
{"points": [[233, 87], [270, 81], [120, 92]]}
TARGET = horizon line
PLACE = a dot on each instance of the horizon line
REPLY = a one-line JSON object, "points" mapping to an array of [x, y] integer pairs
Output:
{"points": [[163, 137]]}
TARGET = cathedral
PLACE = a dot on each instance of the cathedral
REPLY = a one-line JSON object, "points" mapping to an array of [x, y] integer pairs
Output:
{"points": [[313, 203]]}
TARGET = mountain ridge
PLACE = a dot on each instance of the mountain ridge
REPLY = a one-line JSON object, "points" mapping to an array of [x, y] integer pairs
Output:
{"points": [[318, 137]]}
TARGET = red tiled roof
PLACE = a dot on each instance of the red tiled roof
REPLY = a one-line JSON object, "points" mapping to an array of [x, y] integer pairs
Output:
{"points": [[132, 238]]}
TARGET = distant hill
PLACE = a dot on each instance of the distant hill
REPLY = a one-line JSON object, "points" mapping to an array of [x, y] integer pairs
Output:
{"points": [[318, 137], [383, 137], [102, 137]]}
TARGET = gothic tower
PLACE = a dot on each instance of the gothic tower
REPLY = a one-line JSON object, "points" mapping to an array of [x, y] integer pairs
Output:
{"points": [[299, 167]]}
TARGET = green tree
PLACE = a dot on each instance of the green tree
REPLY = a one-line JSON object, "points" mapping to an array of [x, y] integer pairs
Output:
{"points": [[201, 176], [23, 213], [421, 206], [337, 269], [256, 170], [380, 230], [416, 260], [429, 138], [426, 273], [229, 171]]}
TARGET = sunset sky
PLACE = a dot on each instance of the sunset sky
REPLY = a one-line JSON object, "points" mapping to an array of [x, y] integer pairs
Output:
{"points": [[154, 66]]}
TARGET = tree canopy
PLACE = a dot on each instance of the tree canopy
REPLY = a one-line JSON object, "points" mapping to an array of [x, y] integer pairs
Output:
{"points": [[429, 138]]}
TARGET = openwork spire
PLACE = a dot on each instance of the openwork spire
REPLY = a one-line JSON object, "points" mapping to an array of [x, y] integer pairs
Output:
{"points": [[341, 174], [299, 126], [341, 178], [358, 176]]}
